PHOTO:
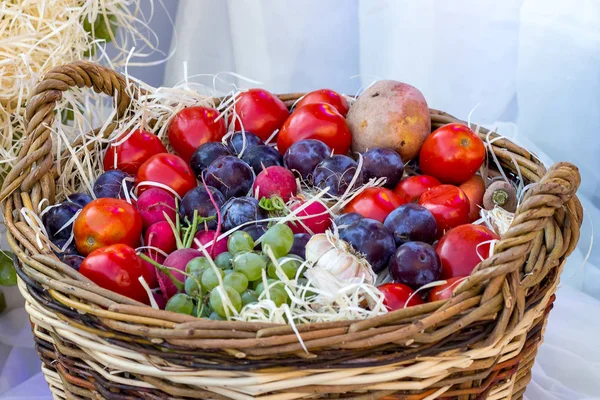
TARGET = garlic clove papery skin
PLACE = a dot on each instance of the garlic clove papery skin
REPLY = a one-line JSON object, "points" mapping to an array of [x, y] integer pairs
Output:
{"points": [[317, 246]]}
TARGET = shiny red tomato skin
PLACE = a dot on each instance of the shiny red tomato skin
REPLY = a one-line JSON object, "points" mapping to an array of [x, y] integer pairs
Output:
{"points": [[396, 296], [327, 96], [449, 205], [104, 222], [458, 249], [132, 153], [411, 188], [452, 153], [194, 126], [444, 292], [318, 121], [168, 169], [375, 203], [116, 268], [260, 112]]}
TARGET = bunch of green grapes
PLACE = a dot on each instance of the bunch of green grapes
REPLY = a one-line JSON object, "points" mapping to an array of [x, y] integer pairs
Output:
{"points": [[238, 279]]}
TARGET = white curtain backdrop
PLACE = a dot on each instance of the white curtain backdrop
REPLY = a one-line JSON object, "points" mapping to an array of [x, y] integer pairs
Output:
{"points": [[529, 67]]}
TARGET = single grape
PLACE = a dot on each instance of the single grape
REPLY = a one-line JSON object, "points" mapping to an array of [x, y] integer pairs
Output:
{"points": [[216, 317], [8, 275], [256, 231], [110, 184], [347, 219], [236, 280], [299, 246], [243, 141], [197, 264], [280, 240], [249, 264], [210, 280], [415, 264], [223, 260], [240, 210], [261, 157], [81, 199], [193, 284], [260, 287], [249, 297], [289, 265], [206, 154], [383, 163], [231, 176], [56, 218], [217, 303], [198, 200], [372, 239], [302, 157], [180, 303], [336, 172], [278, 295], [228, 271], [239, 241], [411, 223]]}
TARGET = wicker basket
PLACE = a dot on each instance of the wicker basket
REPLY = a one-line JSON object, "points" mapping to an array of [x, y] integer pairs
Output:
{"points": [[481, 344]]}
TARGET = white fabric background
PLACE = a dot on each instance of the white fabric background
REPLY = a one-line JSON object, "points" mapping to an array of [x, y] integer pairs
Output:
{"points": [[531, 64]]}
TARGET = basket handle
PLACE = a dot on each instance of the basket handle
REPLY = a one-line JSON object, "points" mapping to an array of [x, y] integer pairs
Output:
{"points": [[35, 157]]}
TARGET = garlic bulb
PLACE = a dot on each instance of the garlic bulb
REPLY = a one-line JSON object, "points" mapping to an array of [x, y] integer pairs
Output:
{"points": [[335, 263]]}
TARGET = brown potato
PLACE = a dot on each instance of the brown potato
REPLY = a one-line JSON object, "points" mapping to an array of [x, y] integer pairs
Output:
{"points": [[390, 114]]}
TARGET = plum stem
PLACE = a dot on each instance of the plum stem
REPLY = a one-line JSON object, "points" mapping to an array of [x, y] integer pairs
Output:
{"points": [[214, 203], [178, 284]]}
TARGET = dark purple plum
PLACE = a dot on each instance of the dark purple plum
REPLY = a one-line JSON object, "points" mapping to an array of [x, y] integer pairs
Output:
{"points": [[232, 176], [383, 163], [198, 199], [69, 250], [110, 184], [81, 199], [206, 154], [72, 260], [302, 157], [57, 217], [347, 219], [261, 157], [240, 210], [411, 223], [336, 172], [243, 141], [256, 231], [299, 246], [415, 264], [372, 239]]}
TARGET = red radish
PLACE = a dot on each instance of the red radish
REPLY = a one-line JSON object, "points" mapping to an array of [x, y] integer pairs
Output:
{"points": [[275, 180], [317, 224], [160, 235], [148, 270], [176, 262], [152, 203], [161, 302], [208, 236]]}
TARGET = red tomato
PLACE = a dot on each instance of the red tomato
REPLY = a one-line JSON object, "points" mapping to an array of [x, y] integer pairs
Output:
{"points": [[104, 222], [129, 155], [326, 96], [375, 203], [315, 217], [116, 268], [318, 121], [460, 249], [259, 112], [474, 188], [396, 296], [194, 126], [168, 169], [452, 153], [444, 292], [411, 188], [448, 204]]}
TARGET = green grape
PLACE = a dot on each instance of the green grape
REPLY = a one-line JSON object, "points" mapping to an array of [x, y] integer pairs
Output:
{"points": [[249, 264], [210, 279], [278, 295], [216, 317], [236, 280], [261, 286], [180, 303], [239, 242], [279, 238], [217, 304], [197, 264], [8, 275], [228, 271], [223, 260], [193, 285], [248, 297], [202, 310], [307, 293], [288, 265]]}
